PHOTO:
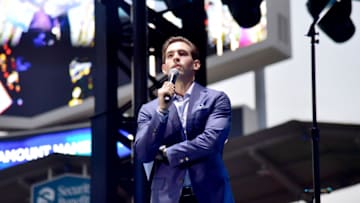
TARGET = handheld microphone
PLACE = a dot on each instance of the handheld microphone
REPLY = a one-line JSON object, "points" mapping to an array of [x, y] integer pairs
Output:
{"points": [[172, 78]]}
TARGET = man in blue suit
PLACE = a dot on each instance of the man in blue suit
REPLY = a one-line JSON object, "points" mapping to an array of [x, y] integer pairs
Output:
{"points": [[183, 139]]}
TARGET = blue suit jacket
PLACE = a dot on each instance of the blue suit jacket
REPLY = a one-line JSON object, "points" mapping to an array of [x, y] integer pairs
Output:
{"points": [[208, 125]]}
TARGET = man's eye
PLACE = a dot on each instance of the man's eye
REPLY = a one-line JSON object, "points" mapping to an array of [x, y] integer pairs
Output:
{"points": [[183, 53]]}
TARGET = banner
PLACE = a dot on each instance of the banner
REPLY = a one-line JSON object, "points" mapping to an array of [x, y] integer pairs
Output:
{"points": [[67, 188]]}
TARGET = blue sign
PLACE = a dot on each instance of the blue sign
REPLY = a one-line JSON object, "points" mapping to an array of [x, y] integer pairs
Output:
{"points": [[73, 142], [67, 188]]}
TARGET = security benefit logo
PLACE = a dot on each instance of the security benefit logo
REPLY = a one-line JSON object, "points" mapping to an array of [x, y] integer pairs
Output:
{"points": [[64, 189], [46, 195]]}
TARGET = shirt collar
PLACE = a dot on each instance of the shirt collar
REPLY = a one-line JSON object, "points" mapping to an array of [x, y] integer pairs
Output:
{"points": [[188, 91]]}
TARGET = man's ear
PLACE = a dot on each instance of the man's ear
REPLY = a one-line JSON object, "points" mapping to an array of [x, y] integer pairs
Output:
{"points": [[197, 64]]}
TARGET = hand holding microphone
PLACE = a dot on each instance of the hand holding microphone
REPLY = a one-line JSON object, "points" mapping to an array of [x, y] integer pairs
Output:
{"points": [[173, 73], [167, 90]]}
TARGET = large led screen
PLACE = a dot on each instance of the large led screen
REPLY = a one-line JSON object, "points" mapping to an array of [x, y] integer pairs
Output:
{"points": [[224, 32], [46, 54]]}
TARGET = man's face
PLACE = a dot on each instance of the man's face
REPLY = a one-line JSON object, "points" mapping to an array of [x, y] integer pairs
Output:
{"points": [[178, 55]]}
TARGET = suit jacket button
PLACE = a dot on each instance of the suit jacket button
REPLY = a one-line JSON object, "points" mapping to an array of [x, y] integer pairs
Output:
{"points": [[187, 159], [181, 160]]}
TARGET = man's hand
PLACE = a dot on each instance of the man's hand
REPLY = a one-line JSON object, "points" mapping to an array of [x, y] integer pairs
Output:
{"points": [[168, 89], [162, 156]]}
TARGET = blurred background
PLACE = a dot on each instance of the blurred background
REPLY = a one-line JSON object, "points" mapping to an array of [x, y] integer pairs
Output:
{"points": [[55, 55]]}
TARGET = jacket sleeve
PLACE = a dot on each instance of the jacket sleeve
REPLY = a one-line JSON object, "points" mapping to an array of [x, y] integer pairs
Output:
{"points": [[150, 133]]}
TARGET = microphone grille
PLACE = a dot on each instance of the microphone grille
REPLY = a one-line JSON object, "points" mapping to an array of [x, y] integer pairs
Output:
{"points": [[173, 71]]}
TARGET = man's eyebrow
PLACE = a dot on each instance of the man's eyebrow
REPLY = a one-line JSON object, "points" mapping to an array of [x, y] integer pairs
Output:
{"points": [[172, 51]]}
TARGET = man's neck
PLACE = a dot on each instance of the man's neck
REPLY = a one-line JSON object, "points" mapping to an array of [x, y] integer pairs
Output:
{"points": [[181, 87]]}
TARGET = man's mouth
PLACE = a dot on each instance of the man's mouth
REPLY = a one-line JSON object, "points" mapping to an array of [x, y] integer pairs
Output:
{"points": [[176, 66]]}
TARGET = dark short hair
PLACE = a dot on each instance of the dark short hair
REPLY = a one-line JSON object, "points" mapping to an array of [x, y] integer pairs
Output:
{"points": [[194, 49]]}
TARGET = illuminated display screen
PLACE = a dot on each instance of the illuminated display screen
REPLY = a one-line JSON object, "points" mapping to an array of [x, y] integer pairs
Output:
{"points": [[224, 33], [72, 142], [46, 54], [48, 21]]}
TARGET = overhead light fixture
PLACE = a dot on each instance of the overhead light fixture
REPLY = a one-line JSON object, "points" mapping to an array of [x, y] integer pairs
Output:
{"points": [[247, 13], [169, 16], [334, 18]]}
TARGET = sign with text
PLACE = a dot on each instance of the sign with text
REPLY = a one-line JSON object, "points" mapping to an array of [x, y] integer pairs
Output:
{"points": [[73, 142], [67, 188]]}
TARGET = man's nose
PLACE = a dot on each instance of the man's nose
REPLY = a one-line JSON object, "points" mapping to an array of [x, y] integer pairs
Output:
{"points": [[176, 57]]}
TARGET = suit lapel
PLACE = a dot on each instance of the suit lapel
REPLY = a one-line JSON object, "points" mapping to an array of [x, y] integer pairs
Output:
{"points": [[198, 97]]}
